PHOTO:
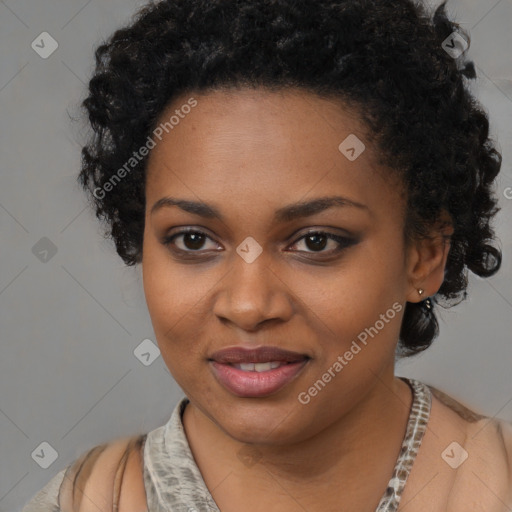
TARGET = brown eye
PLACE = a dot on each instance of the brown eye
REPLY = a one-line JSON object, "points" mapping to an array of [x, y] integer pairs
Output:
{"points": [[191, 240], [317, 241]]}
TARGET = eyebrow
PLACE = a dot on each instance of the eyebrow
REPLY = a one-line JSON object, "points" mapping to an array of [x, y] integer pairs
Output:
{"points": [[284, 214]]}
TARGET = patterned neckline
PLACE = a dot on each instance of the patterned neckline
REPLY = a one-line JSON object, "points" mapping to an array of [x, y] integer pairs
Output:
{"points": [[173, 480], [416, 427]]}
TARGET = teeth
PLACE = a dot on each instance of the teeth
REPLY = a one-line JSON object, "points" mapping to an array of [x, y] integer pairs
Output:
{"points": [[258, 367]]}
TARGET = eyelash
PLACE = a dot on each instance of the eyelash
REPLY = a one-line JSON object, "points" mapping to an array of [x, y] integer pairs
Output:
{"points": [[344, 242]]}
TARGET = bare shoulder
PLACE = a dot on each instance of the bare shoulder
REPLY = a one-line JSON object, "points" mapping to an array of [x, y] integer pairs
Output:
{"points": [[464, 462]]}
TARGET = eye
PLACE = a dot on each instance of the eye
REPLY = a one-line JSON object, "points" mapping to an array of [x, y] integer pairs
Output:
{"points": [[316, 241], [192, 240]]}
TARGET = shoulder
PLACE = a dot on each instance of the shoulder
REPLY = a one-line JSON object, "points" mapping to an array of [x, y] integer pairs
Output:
{"points": [[489, 438], [108, 477], [466, 456]]}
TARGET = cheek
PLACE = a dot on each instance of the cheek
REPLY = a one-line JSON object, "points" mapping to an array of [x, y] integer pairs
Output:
{"points": [[166, 296], [362, 298], [371, 278], [175, 296], [170, 289], [343, 306], [169, 301]]}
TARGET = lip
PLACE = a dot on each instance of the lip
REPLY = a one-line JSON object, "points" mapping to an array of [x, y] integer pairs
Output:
{"points": [[264, 354], [253, 384]]}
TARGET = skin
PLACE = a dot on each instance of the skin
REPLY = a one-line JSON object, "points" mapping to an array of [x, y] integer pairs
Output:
{"points": [[248, 153]]}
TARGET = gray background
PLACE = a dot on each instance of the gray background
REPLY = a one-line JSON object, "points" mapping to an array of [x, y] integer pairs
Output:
{"points": [[70, 325]]}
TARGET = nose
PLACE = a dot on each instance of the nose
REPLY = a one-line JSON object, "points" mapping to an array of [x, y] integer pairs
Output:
{"points": [[252, 294]]}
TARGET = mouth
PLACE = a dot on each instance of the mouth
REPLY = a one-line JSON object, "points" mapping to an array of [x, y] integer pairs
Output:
{"points": [[260, 367], [256, 372], [268, 355]]}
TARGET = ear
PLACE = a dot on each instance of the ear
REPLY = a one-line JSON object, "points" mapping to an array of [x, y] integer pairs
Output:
{"points": [[426, 261]]}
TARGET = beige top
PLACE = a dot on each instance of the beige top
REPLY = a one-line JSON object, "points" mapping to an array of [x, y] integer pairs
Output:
{"points": [[464, 465]]}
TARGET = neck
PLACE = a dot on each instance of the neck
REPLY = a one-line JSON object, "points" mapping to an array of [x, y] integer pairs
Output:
{"points": [[369, 435]]}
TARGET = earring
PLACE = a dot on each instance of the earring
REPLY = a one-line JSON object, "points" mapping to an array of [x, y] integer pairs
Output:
{"points": [[426, 303]]}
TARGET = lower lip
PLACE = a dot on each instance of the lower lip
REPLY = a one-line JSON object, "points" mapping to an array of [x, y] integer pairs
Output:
{"points": [[256, 384]]}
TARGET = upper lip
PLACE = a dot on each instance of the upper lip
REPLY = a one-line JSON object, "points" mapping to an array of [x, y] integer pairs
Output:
{"points": [[263, 354]]}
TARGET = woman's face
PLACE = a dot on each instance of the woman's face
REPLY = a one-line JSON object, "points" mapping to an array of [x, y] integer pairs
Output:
{"points": [[252, 277]]}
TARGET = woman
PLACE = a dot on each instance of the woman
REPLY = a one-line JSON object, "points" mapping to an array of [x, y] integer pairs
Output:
{"points": [[302, 183]]}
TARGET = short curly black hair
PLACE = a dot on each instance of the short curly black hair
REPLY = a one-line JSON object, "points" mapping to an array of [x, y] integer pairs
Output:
{"points": [[386, 58]]}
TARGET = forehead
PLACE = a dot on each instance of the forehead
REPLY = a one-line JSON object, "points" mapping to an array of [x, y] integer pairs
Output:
{"points": [[273, 144], [227, 121]]}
